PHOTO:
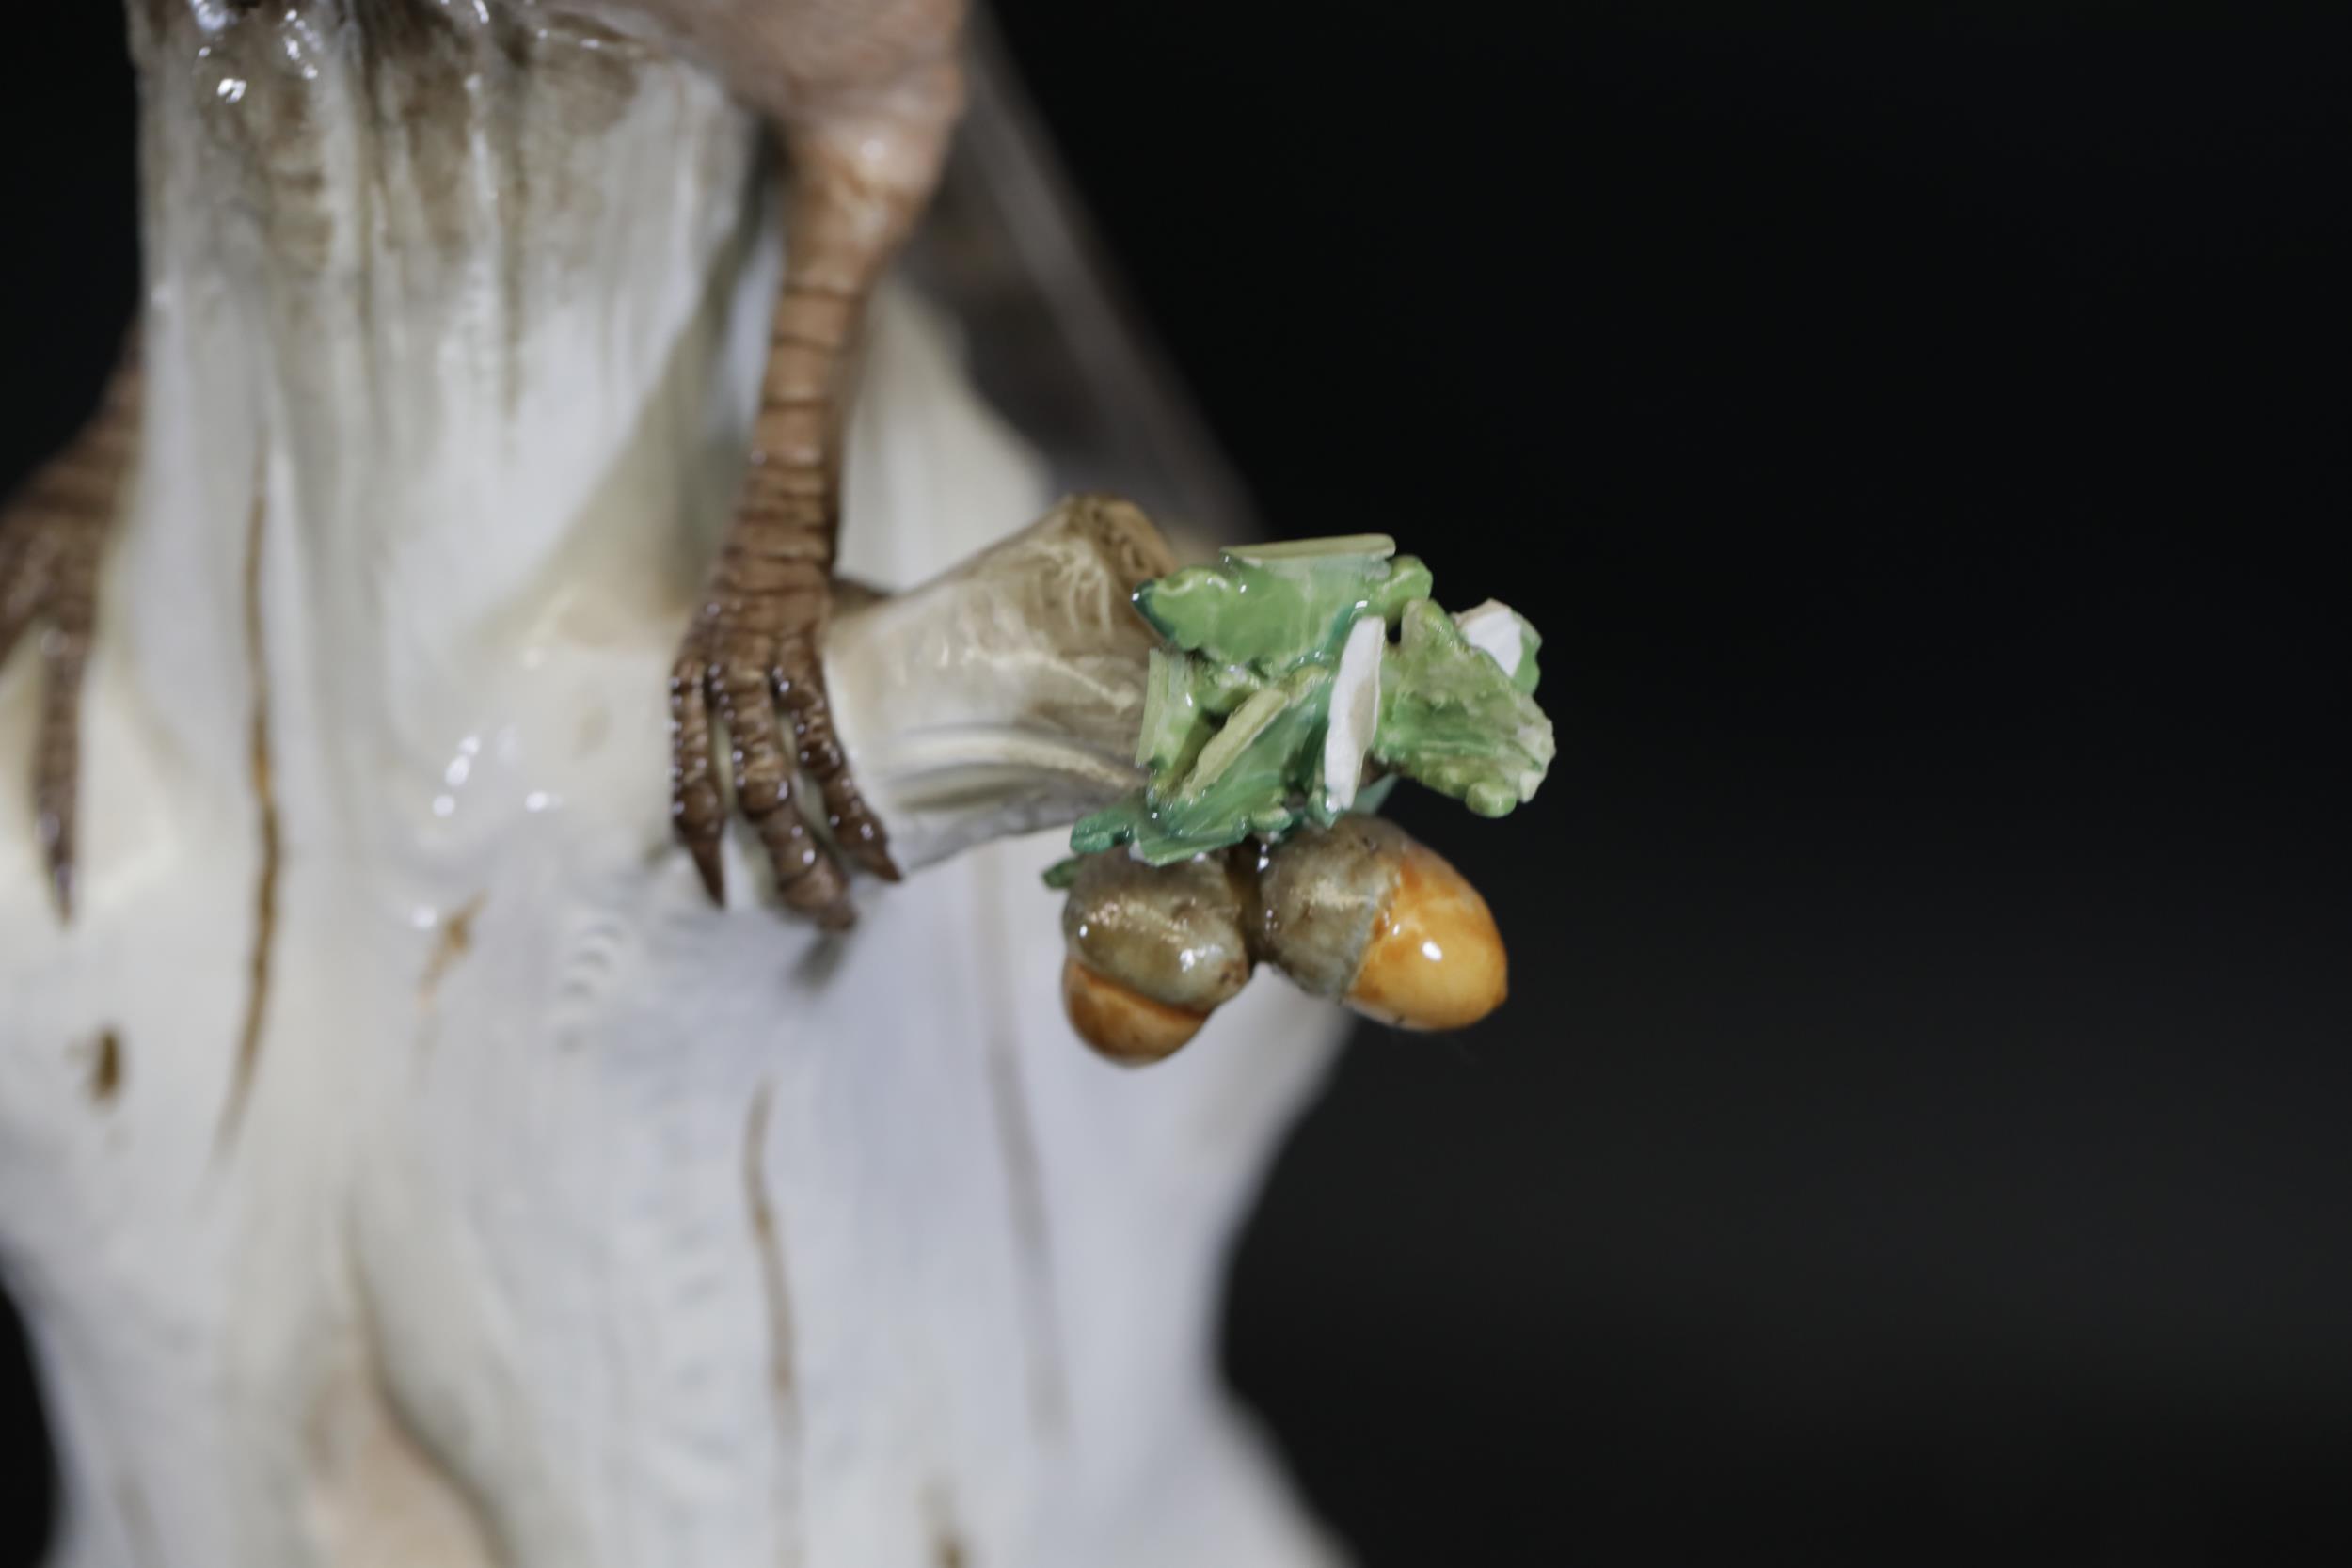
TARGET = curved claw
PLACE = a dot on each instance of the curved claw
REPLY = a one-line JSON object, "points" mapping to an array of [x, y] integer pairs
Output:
{"points": [[799, 690], [806, 877], [720, 671], [696, 813]]}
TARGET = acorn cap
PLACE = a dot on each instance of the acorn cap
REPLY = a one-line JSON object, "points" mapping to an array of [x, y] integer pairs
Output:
{"points": [[1170, 933]]}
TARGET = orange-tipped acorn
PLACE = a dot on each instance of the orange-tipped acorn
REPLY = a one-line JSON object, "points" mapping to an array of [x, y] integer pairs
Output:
{"points": [[1120, 1022], [1152, 952], [1366, 916], [1436, 959], [1360, 913]]}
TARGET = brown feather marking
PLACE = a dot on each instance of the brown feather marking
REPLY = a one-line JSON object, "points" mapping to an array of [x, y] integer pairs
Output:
{"points": [[767, 1243], [454, 943], [105, 1073], [767, 1238], [265, 808], [1024, 1174]]}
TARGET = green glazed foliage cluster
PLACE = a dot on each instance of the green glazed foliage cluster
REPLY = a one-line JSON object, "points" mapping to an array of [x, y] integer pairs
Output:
{"points": [[1238, 699]]}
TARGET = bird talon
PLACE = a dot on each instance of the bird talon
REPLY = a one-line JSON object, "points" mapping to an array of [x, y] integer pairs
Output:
{"points": [[749, 666]]}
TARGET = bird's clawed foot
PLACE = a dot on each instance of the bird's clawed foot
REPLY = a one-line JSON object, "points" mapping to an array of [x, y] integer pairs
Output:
{"points": [[752, 659]]}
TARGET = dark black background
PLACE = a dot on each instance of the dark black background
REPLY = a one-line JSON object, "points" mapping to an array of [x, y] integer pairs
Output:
{"points": [[1919, 1130]]}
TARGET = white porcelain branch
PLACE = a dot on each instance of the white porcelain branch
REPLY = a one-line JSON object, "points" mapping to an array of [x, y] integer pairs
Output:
{"points": [[401, 1162], [1005, 695]]}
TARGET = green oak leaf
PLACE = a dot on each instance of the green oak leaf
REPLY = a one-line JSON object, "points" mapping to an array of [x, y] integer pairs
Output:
{"points": [[1452, 720], [1281, 604]]}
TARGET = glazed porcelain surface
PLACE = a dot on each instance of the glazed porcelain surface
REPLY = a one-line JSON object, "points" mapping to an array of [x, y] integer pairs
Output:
{"points": [[401, 1162]]}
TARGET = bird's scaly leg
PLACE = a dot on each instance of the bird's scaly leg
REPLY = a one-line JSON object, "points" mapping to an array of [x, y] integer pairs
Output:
{"points": [[860, 173]]}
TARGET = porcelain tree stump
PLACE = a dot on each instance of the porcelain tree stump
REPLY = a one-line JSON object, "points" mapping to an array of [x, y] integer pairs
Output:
{"points": [[401, 1162]]}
